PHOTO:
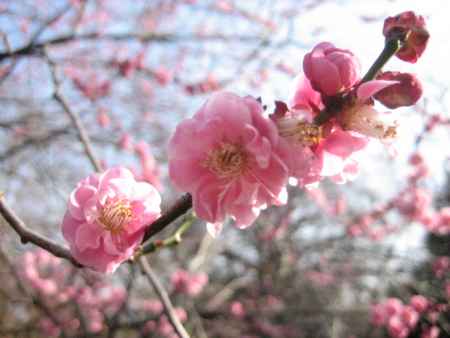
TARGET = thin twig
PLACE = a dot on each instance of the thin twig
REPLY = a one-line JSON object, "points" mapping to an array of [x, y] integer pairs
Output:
{"points": [[163, 296], [27, 235], [37, 47], [74, 117], [170, 241]]}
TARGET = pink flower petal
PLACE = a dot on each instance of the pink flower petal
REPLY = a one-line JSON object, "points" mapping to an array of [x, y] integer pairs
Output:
{"points": [[370, 88], [88, 237], [342, 143], [77, 198]]}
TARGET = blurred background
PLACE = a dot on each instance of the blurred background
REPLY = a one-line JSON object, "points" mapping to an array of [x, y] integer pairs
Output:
{"points": [[132, 70]]}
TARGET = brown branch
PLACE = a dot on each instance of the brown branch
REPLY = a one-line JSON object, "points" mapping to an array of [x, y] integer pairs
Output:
{"points": [[181, 206], [29, 236], [38, 47], [163, 296], [74, 117]]}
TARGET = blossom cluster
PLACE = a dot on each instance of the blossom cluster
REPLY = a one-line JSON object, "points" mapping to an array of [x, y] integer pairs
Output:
{"points": [[401, 319], [414, 203], [235, 160], [188, 283], [75, 300], [59, 287]]}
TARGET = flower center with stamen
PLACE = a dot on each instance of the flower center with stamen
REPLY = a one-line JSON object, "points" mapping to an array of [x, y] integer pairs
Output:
{"points": [[115, 216], [367, 121], [228, 160], [304, 133]]}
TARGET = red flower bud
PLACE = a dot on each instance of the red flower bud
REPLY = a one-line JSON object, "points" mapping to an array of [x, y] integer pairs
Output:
{"points": [[411, 28], [405, 93]]}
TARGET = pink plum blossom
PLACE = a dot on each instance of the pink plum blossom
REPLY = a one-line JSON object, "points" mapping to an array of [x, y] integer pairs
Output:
{"points": [[149, 166], [189, 283], [393, 306], [414, 203], [397, 328], [227, 157], [378, 315], [331, 70], [419, 303], [237, 309], [311, 151], [107, 216]]}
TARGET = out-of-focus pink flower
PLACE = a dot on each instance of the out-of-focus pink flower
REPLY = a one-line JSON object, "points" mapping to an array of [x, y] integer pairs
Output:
{"points": [[397, 328], [441, 266], [414, 203], [36, 268], [378, 315], [91, 86], [432, 332], [412, 28], [393, 306], [181, 314], [227, 157], [405, 93], [126, 142], [189, 283], [49, 328], [153, 306], [127, 66], [107, 217], [410, 316], [441, 225], [419, 303], [237, 309], [331, 70], [103, 118], [163, 75], [150, 169]]}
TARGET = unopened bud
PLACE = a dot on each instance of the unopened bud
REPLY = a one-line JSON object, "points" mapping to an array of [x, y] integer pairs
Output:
{"points": [[410, 29], [405, 93]]}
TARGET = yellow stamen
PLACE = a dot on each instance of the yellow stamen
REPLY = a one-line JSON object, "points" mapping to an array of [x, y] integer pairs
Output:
{"points": [[228, 160], [115, 216], [304, 133]]}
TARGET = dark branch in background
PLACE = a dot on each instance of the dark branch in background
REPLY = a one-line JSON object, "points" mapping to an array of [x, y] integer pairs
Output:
{"points": [[28, 235], [162, 294], [47, 23], [36, 48], [74, 117]]}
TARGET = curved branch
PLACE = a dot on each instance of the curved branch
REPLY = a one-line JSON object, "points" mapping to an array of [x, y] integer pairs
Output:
{"points": [[74, 117], [29, 236], [34, 48], [163, 296]]}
